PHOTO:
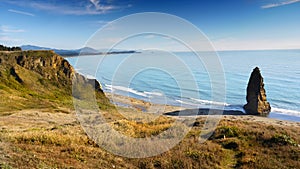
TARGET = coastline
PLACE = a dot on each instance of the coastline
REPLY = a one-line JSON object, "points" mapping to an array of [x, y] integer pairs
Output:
{"points": [[284, 107], [170, 111]]}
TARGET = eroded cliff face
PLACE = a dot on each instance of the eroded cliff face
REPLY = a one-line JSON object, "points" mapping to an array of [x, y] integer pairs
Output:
{"points": [[257, 103], [33, 76], [46, 63]]}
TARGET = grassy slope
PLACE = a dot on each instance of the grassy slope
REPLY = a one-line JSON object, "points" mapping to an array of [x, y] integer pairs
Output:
{"points": [[37, 79], [50, 136], [63, 144], [22, 88]]}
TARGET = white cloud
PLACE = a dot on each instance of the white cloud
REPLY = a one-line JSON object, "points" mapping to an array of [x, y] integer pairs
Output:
{"points": [[281, 3], [7, 35], [8, 29], [100, 7], [102, 22], [21, 12], [9, 39], [82, 7], [89, 9]]}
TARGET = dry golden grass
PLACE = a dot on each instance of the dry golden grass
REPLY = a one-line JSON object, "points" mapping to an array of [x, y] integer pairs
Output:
{"points": [[60, 142]]}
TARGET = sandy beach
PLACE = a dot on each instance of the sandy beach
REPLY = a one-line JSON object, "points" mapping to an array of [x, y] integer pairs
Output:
{"points": [[30, 118], [172, 111]]}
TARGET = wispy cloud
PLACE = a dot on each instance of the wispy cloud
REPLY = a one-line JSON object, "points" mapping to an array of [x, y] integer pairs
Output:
{"points": [[102, 22], [280, 3], [100, 7], [9, 39], [71, 7], [21, 12], [8, 29], [7, 35]]}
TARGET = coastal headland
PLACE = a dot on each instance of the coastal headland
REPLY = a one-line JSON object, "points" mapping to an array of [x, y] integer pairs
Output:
{"points": [[39, 127]]}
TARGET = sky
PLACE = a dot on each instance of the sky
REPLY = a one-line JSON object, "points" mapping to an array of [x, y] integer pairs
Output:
{"points": [[228, 25]]}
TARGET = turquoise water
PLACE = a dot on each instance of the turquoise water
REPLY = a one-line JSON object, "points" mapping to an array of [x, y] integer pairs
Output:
{"points": [[182, 79]]}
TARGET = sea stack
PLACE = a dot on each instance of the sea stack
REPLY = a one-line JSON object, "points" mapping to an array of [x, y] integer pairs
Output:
{"points": [[257, 103]]}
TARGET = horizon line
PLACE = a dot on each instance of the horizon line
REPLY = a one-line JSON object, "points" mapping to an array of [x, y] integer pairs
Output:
{"points": [[217, 50]]}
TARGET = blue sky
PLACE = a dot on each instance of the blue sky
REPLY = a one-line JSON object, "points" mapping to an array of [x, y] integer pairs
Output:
{"points": [[229, 24]]}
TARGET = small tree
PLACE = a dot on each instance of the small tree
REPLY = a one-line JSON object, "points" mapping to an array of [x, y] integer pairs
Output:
{"points": [[5, 48]]}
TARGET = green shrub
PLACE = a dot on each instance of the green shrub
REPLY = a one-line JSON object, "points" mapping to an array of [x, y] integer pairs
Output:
{"points": [[193, 154], [282, 139], [226, 131], [231, 144]]}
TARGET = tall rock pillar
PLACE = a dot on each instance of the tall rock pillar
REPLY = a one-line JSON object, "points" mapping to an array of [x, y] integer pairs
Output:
{"points": [[257, 103]]}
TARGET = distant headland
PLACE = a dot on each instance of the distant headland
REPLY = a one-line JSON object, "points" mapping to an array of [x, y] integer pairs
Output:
{"points": [[79, 52]]}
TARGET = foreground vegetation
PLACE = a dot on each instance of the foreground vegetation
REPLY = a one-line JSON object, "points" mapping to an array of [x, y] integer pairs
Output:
{"points": [[5, 48], [55, 143]]}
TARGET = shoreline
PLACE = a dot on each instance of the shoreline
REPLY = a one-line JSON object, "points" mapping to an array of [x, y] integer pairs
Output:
{"points": [[173, 111]]}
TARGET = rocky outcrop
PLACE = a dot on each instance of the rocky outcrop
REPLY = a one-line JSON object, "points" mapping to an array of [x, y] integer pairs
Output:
{"points": [[46, 63], [44, 76], [257, 103]]}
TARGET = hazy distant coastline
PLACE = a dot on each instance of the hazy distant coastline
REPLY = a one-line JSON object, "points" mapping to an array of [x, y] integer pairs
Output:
{"points": [[79, 52]]}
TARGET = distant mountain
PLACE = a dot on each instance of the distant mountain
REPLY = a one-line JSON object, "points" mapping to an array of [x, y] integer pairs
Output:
{"points": [[76, 52], [88, 50], [58, 51], [31, 47]]}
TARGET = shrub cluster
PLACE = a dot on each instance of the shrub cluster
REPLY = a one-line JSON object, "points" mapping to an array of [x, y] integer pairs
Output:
{"points": [[5, 48]]}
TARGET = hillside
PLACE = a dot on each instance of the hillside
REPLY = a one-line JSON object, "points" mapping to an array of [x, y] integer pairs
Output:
{"points": [[39, 79]]}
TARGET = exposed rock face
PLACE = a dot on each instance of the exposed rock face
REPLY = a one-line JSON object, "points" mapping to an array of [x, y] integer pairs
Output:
{"points": [[257, 103], [46, 63], [43, 76]]}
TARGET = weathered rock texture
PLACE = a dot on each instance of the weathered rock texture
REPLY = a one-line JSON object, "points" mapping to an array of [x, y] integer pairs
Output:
{"points": [[38, 77], [257, 103], [45, 63]]}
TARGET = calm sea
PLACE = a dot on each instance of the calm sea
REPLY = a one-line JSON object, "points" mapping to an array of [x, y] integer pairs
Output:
{"points": [[182, 79]]}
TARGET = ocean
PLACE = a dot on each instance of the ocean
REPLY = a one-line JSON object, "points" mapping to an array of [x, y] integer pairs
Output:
{"points": [[182, 79]]}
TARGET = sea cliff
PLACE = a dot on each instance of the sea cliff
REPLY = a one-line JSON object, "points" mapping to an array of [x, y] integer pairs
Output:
{"points": [[37, 79]]}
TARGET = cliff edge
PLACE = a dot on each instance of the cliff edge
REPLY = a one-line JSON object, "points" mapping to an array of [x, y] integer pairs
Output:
{"points": [[40, 79]]}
